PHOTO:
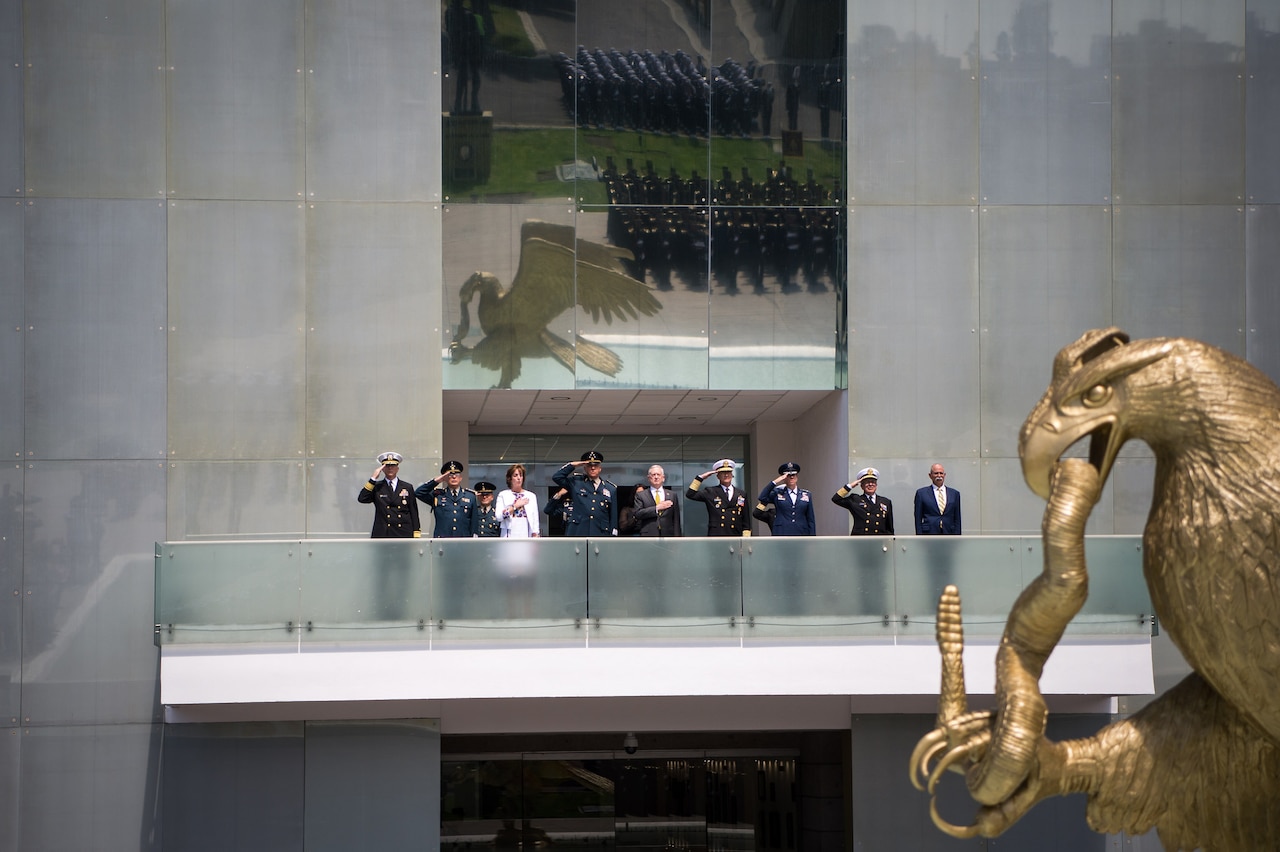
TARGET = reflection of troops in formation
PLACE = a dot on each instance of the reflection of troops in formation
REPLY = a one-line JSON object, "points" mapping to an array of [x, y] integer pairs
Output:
{"points": [[727, 507], [664, 92], [395, 512], [595, 500], [488, 524], [872, 514], [778, 221], [454, 507]]}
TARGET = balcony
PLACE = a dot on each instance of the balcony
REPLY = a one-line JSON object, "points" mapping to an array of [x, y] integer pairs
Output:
{"points": [[343, 626]]}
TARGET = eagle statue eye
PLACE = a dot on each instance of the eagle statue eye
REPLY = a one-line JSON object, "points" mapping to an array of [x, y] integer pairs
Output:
{"points": [[1096, 396]]}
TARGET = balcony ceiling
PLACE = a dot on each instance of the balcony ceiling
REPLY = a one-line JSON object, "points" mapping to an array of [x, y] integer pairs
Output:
{"points": [[593, 411]]}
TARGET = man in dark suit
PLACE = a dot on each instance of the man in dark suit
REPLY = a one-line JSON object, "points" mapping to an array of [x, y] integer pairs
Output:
{"points": [[872, 514], [395, 513], [593, 507], [656, 508], [937, 507], [726, 506], [456, 509], [793, 505]]}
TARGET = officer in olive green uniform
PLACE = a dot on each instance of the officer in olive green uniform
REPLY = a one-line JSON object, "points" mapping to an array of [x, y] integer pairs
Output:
{"points": [[490, 524], [594, 501], [727, 507], [395, 513], [872, 514], [454, 507]]}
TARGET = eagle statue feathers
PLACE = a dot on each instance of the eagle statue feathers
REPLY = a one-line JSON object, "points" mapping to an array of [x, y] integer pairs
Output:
{"points": [[1201, 763]]}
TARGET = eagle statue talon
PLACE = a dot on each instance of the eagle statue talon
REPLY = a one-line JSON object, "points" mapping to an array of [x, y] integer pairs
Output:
{"points": [[1201, 763]]}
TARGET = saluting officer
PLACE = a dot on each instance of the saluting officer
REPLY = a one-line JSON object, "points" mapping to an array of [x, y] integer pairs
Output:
{"points": [[793, 505], [395, 513], [593, 501], [490, 525], [726, 505], [872, 514], [454, 507]]}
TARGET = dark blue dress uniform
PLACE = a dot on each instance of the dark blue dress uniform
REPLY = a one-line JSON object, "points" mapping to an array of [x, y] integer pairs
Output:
{"points": [[869, 518], [593, 505], [455, 509], [395, 513], [726, 514], [791, 517]]}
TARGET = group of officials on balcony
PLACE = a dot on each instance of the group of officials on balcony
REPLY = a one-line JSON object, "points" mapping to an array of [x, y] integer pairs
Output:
{"points": [[592, 506]]}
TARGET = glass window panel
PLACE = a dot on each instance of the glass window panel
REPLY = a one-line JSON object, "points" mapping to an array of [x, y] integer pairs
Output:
{"points": [[233, 786], [501, 346], [236, 342], [637, 590], [1262, 101], [661, 804], [1046, 102], [235, 99], [803, 588], [532, 591], [11, 581], [369, 291], [366, 590], [372, 133], [1179, 102], [914, 101], [95, 346], [922, 263], [1262, 297], [89, 581], [246, 593], [12, 321], [372, 785], [95, 99], [103, 774], [988, 572], [227, 499], [1164, 256], [566, 803], [1046, 276], [11, 123]]}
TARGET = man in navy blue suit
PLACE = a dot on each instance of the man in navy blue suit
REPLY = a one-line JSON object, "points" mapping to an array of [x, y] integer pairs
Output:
{"points": [[937, 506], [793, 505]]}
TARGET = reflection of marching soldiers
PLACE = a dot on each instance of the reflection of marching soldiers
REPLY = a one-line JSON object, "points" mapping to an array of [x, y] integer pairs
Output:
{"points": [[777, 222]]}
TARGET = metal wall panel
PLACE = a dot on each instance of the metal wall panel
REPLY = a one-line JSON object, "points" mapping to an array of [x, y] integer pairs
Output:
{"points": [[89, 528], [1180, 272], [237, 348], [1262, 102], [95, 347], [1178, 102], [11, 508], [913, 332], [12, 323], [913, 102], [373, 132], [235, 99], [373, 298], [233, 786], [1262, 287], [11, 64], [1005, 505], [373, 785], [1046, 278], [104, 775], [1046, 102], [1132, 484], [95, 98], [10, 756], [232, 499]]}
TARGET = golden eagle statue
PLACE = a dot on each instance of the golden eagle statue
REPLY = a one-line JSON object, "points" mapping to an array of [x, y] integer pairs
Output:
{"points": [[1201, 763], [550, 279]]}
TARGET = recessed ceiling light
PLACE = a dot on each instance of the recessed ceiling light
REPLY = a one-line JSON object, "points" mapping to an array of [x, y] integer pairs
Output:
{"points": [[544, 417], [708, 399], [686, 417], [561, 398]]}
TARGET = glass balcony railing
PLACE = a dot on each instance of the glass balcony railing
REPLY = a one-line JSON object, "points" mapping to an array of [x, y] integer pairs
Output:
{"points": [[555, 591]]}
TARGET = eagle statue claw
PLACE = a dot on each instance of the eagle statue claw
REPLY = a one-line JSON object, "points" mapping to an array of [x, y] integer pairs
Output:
{"points": [[1200, 763]]}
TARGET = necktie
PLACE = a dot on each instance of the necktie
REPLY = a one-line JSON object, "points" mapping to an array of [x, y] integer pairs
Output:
{"points": [[942, 499]]}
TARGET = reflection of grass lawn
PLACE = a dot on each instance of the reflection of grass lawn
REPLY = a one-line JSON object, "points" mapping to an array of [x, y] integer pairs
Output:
{"points": [[524, 161], [509, 35]]}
